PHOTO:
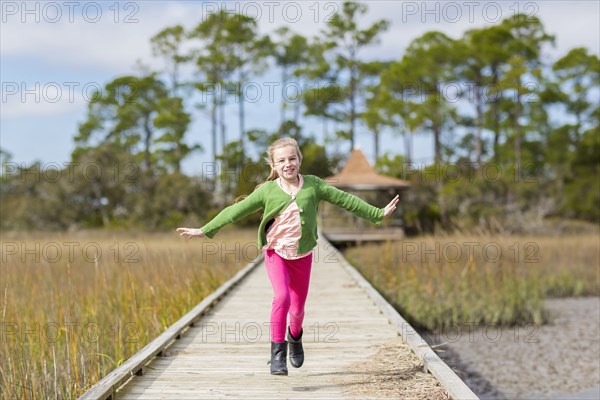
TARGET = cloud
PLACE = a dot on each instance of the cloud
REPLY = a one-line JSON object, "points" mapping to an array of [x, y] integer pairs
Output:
{"points": [[45, 58], [575, 24], [34, 99], [106, 39], [114, 37]]}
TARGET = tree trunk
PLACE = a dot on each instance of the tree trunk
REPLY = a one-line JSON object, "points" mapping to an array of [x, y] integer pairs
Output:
{"points": [[147, 143], [376, 139], [175, 79], [284, 79], [103, 213], [178, 157], [242, 121], [352, 105], [518, 132], [213, 120], [222, 179], [479, 108], [496, 113], [578, 120], [437, 144], [408, 145], [222, 124]]}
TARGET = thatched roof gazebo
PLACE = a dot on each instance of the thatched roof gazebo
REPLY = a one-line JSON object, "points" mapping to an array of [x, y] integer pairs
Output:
{"points": [[359, 178]]}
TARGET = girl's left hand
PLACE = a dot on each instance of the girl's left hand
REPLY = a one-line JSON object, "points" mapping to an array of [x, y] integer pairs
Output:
{"points": [[391, 207]]}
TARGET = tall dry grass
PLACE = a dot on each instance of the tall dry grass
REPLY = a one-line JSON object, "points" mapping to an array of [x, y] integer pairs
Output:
{"points": [[75, 306], [437, 282]]}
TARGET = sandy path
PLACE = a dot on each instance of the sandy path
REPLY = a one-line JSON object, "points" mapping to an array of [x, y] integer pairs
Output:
{"points": [[559, 360]]}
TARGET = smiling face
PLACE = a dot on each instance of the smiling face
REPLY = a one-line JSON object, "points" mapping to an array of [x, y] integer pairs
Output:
{"points": [[286, 162]]}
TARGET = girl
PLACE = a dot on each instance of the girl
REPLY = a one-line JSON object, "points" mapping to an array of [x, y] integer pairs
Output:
{"points": [[288, 234]]}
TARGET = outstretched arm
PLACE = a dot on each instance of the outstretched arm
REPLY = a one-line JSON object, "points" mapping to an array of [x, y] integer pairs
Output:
{"points": [[350, 202], [228, 215], [391, 207]]}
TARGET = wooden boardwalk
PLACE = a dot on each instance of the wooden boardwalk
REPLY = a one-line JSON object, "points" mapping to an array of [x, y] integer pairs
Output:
{"points": [[224, 355]]}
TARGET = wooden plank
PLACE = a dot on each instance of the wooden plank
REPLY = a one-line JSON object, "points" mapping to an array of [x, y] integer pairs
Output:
{"points": [[455, 387], [216, 359], [106, 387], [213, 367], [363, 235]]}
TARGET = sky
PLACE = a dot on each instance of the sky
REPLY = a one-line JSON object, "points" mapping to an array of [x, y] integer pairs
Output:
{"points": [[54, 54]]}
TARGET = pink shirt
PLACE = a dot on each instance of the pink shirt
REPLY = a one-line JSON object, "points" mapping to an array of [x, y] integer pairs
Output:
{"points": [[285, 232]]}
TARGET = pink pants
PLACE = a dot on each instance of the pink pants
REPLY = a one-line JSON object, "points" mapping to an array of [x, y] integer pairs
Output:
{"points": [[290, 280]]}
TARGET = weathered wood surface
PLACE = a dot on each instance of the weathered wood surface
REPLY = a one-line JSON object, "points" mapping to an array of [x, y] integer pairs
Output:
{"points": [[225, 354], [364, 235], [135, 365], [453, 385]]}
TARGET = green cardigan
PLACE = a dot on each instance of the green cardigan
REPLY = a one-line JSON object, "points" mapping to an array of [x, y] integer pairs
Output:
{"points": [[274, 200]]}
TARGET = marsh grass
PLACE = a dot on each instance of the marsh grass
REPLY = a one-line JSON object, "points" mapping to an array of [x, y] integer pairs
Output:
{"points": [[75, 306], [438, 282], [68, 319]]}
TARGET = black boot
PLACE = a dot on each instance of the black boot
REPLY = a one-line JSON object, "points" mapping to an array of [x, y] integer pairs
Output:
{"points": [[278, 358], [295, 349]]}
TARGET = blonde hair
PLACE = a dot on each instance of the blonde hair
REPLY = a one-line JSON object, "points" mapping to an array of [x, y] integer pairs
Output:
{"points": [[279, 143]]}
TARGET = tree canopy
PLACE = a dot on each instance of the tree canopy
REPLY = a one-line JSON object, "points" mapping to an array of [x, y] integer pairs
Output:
{"points": [[489, 99]]}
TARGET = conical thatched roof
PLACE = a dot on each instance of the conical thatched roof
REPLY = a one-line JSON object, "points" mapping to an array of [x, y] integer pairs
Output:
{"points": [[359, 174]]}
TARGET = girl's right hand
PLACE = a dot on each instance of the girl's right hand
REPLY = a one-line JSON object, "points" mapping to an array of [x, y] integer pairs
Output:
{"points": [[190, 232]]}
